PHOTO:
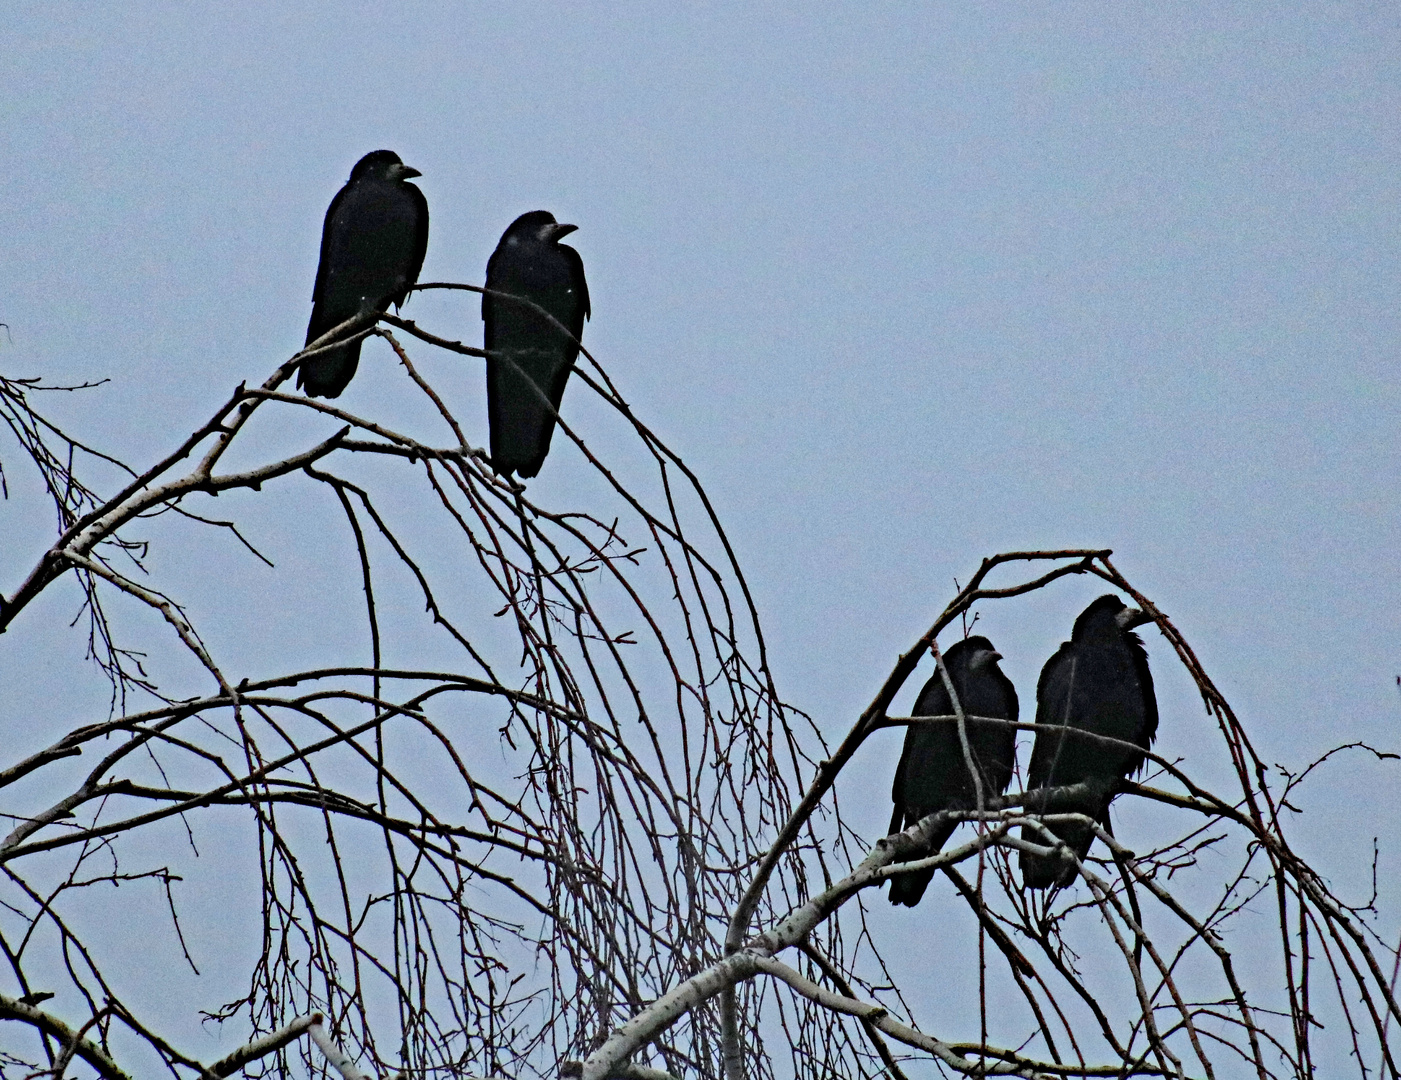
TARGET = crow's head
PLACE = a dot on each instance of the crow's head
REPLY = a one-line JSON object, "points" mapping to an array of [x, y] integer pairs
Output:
{"points": [[1106, 617], [971, 654], [382, 165], [537, 226]]}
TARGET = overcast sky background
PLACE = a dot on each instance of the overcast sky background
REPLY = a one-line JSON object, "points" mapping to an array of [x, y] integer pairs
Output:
{"points": [[906, 284]]}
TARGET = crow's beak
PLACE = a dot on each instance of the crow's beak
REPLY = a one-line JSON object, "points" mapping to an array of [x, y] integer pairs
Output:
{"points": [[1131, 617], [559, 232], [406, 172]]}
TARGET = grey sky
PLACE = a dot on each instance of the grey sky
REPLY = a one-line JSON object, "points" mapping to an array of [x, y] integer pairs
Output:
{"points": [[906, 284]]}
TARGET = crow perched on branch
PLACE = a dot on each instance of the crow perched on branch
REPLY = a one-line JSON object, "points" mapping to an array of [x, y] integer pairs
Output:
{"points": [[372, 248], [933, 773], [528, 354], [1099, 682]]}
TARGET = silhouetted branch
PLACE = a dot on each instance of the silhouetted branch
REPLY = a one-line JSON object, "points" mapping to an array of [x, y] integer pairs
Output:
{"points": [[592, 829]]}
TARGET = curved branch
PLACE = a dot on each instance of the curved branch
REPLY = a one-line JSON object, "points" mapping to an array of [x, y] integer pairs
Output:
{"points": [[89, 1051]]}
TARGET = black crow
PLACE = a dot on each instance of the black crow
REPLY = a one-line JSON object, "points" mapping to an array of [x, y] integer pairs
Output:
{"points": [[1098, 681], [933, 774], [527, 354], [372, 248]]}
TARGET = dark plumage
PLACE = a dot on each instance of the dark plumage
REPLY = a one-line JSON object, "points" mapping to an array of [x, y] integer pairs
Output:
{"points": [[932, 774], [1098, 681], [372, 248], [526, 353]]}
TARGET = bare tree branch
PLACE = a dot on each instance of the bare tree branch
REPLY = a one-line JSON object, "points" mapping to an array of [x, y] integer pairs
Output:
{"points": [[586, 833]]}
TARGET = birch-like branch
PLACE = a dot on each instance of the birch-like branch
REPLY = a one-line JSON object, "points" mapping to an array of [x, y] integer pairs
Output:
{"points": [[992, 1061], [791, 930], [338, 1058], [626, 1071], [89, 1051], [262, 1047]]}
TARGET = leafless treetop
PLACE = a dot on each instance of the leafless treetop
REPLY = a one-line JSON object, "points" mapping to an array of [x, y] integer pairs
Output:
{"points": [[593, 839]]}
